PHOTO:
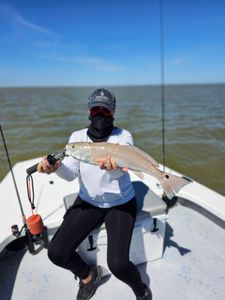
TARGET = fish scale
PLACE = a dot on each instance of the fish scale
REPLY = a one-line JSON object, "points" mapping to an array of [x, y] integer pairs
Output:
{"points": [[130, 156], [126, 156]]}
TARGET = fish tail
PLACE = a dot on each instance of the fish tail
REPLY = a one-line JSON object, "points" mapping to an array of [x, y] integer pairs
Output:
{"points": [[172, 184]]}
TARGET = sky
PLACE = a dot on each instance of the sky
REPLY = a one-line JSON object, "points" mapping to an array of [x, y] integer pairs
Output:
{"points": [[111, 42]]}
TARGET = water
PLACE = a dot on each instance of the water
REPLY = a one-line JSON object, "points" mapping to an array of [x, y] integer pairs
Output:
{"points": [[37, 121]]}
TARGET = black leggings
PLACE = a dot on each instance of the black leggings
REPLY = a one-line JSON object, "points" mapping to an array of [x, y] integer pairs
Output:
{"points": [[79, 221]]}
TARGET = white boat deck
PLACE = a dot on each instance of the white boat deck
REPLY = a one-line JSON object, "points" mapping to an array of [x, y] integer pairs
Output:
{"points": [[192, 267]]}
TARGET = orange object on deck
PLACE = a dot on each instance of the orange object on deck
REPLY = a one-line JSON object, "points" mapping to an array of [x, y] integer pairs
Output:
{"points": [[35, 224]]}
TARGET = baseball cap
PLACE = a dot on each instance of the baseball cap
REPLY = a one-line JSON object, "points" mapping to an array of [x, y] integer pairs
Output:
{"points": [[102, 97]]}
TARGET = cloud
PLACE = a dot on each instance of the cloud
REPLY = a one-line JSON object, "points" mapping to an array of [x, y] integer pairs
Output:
{"points": [[99, 64], [178, 60], [14, 16], [49, 40], [91, 62], [32, 26]]}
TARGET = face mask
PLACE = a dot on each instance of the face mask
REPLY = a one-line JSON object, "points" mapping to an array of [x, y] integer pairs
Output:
{"points": [[100, 127]]}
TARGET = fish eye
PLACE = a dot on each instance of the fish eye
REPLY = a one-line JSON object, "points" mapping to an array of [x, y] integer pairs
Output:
{"points": [[73, 147]]}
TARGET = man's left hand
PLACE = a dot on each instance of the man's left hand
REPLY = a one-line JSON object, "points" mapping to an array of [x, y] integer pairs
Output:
{"points": [[109, 163]]}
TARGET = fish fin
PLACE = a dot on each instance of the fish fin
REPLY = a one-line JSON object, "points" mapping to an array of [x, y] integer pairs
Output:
{"points": [[172, 184], [139, 174]]}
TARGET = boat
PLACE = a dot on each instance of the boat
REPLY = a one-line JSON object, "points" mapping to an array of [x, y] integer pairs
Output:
{"points": [[178, 245]]}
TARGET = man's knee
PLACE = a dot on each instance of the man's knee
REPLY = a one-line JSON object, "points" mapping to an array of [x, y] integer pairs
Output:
{"points": [[57, 255], [118, 266]]}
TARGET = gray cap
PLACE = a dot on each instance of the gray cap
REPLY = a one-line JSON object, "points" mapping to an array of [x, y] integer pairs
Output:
{"points": [[102, 97]]}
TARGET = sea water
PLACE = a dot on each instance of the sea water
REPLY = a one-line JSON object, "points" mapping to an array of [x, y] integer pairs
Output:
{"points": [[38, 121]]}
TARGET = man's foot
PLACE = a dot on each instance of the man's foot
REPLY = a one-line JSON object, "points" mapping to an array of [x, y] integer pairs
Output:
{"points": [[87, 290], [147, 295]]}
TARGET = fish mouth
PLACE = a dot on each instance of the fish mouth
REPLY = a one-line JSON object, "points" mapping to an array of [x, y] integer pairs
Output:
{"points": [[66, 151]]}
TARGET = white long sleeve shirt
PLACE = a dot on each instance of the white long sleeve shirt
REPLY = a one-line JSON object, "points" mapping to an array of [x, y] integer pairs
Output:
{"points": [[99, 187]]}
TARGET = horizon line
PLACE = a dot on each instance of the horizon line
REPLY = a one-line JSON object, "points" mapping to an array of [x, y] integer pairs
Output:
{"points": [[110, 85]]}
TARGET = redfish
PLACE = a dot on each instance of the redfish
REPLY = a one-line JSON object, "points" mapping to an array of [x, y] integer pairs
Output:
{"points": [[126, 156]]}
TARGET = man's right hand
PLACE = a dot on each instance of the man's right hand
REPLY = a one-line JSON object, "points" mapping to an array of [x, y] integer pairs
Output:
{"points": [[45, 167]]}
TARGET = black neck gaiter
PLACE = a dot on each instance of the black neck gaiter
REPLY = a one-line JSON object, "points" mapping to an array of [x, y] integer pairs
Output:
{"points": [[100, 127]]}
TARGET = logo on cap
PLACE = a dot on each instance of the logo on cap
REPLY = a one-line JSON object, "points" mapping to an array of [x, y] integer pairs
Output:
{"points": [[102, 97]]}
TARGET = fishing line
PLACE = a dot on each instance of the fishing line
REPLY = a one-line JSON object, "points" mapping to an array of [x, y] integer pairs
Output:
{"points": [[13, 177], [162, 67]]}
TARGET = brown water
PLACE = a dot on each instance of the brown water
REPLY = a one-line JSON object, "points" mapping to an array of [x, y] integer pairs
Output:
{"points": [[37, 121]]}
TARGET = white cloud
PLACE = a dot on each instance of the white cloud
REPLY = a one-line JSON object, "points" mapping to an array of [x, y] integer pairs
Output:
{"points": [[178, 60], [92, 62], [99, 64], [49, 40], [14, 16], [32, 26]]}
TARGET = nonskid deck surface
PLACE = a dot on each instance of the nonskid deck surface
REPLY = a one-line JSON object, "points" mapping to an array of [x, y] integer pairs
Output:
{"points": [[192, 267]]}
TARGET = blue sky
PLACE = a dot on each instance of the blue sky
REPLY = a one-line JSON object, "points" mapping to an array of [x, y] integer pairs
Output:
{"points": [[114, 42]]}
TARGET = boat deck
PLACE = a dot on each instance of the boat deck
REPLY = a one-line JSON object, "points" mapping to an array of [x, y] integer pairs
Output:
{"points": [[192, 267]]}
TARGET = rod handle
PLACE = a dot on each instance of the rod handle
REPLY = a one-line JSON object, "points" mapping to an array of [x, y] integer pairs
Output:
{"points": [[32, 169], [52, 159]]}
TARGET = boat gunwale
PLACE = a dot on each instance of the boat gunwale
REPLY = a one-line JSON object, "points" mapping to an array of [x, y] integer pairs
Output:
{"points": [[202, 210]]}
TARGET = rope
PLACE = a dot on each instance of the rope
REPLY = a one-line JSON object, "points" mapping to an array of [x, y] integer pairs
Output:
{"points": [[162, 82]]}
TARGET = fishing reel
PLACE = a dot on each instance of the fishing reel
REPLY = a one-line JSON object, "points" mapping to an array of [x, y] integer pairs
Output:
{"points": [[36, 233]]}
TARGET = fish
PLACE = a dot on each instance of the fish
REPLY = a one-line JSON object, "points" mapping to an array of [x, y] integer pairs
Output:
{"points": [[129, 157]]}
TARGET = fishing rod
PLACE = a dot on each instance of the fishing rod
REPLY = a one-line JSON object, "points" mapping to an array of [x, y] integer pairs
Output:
{"points": [[51, 158], [162, 71], [35, 231], [13, 177]]}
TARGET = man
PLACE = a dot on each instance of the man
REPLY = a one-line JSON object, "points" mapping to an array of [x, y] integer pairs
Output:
{"points": [[106, 195]]}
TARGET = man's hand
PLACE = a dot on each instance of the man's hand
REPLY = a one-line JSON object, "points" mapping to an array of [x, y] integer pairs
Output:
{"points": [[45, 167], [109, 163]]}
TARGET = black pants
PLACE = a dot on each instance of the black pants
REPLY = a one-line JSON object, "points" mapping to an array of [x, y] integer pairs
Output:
{"points": [[79, 221]]}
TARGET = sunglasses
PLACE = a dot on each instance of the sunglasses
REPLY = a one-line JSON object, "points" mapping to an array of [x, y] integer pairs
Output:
{"points": [[100, 109]]}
